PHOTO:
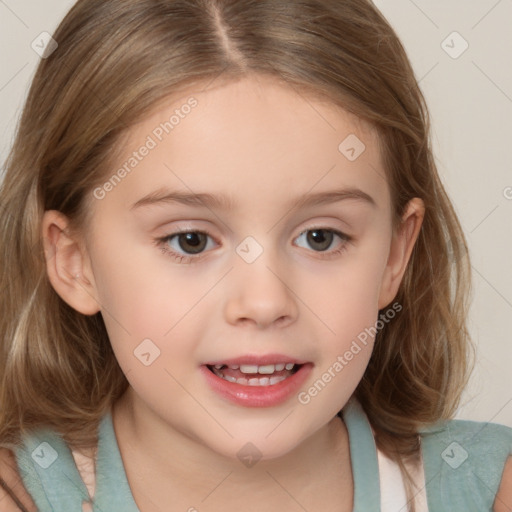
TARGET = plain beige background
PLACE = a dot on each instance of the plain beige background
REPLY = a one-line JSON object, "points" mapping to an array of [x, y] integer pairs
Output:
{"points": [[469, 92]]}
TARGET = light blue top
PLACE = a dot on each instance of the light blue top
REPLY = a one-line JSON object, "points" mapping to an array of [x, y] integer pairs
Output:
{"points": [[463, 463]]}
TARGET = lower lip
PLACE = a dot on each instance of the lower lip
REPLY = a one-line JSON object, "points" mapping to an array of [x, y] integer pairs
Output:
{"points": [[258, 396]]}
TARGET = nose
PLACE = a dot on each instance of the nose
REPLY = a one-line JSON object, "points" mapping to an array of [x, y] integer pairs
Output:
{"points": [[260, 293]]}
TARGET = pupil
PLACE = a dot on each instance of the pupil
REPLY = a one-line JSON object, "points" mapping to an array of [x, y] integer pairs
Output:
{"points": [[195, 241], [318, 236]]}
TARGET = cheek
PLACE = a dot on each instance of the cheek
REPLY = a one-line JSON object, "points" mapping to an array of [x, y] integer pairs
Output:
{"points": [[150, 313], [346, 297], [142, 291], [346, 301], [347, 305]]}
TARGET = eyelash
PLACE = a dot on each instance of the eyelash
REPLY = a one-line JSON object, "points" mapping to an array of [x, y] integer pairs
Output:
{"points": [[162, 243]]}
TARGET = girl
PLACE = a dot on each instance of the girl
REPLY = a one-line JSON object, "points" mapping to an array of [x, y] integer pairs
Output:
{"points": [[231, 277]]}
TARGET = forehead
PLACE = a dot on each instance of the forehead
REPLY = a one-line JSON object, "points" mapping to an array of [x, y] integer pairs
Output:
{"points": [[248, 139]]}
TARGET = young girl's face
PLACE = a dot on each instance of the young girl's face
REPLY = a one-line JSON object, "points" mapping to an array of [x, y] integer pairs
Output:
{"points": [[264, 271]]}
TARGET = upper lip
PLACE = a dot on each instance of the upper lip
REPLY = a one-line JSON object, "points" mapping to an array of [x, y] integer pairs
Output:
{"points": [[259, 360]]}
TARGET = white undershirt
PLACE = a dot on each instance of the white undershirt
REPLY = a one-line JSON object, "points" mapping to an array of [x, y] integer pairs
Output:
{"points": [[392, 488]]}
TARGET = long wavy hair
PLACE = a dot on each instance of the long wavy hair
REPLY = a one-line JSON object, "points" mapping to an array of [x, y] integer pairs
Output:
{"points": [[118, 59]]}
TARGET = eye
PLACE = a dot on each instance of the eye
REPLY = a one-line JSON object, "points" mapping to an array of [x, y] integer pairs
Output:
{"points": [[184, 245], [321, 239]]}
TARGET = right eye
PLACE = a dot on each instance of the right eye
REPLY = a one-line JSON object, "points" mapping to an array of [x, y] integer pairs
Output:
{"points": [[184, 246]]}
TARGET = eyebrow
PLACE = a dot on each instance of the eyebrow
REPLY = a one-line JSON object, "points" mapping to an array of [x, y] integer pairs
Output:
{"points": [[224, 202]]}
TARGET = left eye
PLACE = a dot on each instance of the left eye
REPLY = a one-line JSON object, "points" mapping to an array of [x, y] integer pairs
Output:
{"points": [[322, 238]]}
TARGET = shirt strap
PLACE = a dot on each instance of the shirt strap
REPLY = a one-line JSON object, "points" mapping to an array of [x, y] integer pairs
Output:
{"points": [[112, 489], [44, 459], [363, 455]]}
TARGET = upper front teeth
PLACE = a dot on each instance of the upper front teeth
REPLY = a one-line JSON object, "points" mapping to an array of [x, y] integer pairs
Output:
{"points": [[266, 369]]}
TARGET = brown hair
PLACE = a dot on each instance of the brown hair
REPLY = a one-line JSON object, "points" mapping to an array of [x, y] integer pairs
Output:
{"points": [[116, 60]]}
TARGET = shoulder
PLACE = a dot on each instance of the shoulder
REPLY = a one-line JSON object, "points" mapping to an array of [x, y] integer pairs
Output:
{"points": [[12, 490], [49, 472], [503, 501], [473, 434], [464, 462]]}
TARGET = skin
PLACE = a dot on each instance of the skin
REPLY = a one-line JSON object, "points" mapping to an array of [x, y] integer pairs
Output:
{"points": [[10, 477], [503, 501], [264, 145]]}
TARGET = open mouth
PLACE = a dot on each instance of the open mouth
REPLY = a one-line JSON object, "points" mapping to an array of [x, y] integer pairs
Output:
{"points": [[254, 375]]}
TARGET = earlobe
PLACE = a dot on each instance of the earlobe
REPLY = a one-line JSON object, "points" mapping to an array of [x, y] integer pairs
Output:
{"points": [[67, 264], [400, 250]]}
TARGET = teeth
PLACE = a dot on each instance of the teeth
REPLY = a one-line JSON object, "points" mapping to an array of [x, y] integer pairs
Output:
{"points": [[249, 368], [255, 381], [263, 381], [267, 369]]}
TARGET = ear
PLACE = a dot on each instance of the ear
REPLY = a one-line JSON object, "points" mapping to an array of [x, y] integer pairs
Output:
{"points": [[400, 251], [68, 265]]}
